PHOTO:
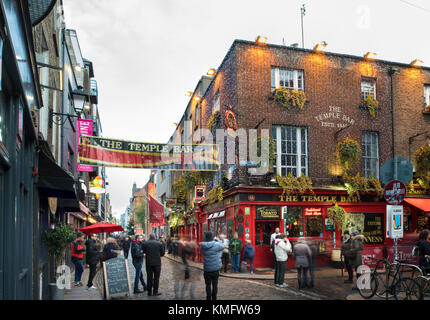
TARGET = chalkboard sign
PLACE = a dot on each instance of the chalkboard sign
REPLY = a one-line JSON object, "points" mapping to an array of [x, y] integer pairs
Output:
{"points": [[116, 277]]}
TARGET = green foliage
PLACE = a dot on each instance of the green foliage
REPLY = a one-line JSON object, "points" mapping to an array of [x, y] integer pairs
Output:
{"points": [[179, 190], [348, 152], [187, 182], [130, 227], [215, 195], [372, 105], [140, 212], [293, 185], [337, 214], [214, 120], [358, 184], [58, 239], [176, 219], [422, 161], [290, 98]]}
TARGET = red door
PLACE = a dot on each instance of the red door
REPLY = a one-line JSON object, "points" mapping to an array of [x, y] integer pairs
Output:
{"points": [[263, 231]]}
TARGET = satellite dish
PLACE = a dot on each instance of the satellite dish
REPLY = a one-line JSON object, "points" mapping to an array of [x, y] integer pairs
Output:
{"points": [[39, 9]]}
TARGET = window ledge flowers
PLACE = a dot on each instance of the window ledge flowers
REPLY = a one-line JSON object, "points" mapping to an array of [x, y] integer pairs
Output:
{"points": [[290, 99], [371, 105]]}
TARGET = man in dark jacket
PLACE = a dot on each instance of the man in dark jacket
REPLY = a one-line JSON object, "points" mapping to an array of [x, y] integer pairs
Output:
{"points": [[126, 243], [424, 250], [137, 255], [111, 249], [153, 250], [92, 259]]}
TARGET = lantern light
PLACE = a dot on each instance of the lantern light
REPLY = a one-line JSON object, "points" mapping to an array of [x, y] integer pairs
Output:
{"points": [[188, 94], [197, 98], [211, 72], [417, 63], [320, 47], [261, 40], [370, 56]]}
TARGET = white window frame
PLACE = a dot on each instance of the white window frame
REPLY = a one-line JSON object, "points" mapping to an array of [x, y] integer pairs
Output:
{"points": [[427, 94], [367, 139], [368, 88], [216, 104], [281, 75], [299, 151]]}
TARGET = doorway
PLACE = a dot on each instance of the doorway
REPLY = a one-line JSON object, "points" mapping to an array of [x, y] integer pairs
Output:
{"points": [[263, 231]]}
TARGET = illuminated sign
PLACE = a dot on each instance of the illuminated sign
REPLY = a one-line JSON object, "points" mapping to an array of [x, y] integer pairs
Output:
{"points": [[313, 212]]}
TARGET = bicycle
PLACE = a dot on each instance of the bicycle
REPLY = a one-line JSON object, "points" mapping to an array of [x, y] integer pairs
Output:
{"points": [[423, 280], [401, 288]]}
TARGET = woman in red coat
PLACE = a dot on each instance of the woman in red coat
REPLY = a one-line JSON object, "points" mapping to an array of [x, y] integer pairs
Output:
{"points": [[77, 257]]}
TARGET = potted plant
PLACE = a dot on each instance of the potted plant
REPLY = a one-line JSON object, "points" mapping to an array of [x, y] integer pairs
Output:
{"points": [[56, 241]]}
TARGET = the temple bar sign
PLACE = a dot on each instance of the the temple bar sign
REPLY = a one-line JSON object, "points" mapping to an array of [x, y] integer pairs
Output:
{"points": [[268, 212], [315, 198]]}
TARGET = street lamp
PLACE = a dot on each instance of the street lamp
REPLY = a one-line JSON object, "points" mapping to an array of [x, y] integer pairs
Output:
{"points": [[81, 104], [211, 72], [320, 47], [261, 40], [417, 63]]}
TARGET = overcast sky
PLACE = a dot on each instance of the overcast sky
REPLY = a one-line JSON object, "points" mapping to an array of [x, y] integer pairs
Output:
{"points": [[148, 53]]}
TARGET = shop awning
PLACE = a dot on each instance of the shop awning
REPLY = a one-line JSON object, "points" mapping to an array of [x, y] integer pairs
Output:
{"points": [[215, 215], [211, 216], [221, 214], [422, 204]]}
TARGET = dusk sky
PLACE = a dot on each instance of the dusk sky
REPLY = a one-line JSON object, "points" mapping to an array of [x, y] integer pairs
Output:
{"points": [[148, 53]]}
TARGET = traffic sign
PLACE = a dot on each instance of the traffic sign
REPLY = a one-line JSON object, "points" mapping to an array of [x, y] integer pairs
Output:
{"points": [[397, 169], [395, 192]]}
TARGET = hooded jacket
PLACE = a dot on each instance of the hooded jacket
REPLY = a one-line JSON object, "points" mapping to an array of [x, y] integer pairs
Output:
{"points": [[211, 255], [92, 252], [281, 249], [249, 252]]}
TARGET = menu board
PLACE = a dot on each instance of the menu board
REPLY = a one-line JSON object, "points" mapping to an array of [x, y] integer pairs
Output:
{"points": [[371, 226], [116, 277]]}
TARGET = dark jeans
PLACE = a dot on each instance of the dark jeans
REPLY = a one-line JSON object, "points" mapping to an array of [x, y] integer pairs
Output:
{"points": [[225, 258], [79, 269], [139, 275], [126, 254], [153, 278], [235, 261], [280, 272], [211, 281], [93, 271], [251, 264], [349, 268], [312, 274], [303, 271]]}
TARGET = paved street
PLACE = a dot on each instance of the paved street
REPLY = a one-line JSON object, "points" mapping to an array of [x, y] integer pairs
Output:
{"points": [[259, 286]]}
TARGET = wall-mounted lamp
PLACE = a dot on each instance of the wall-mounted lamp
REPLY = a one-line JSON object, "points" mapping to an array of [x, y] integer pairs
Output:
{"points": [[211, 72], [417, 63], [320, 47], [197, 98], [188, 94], [261, 40], [370, 56], [81, 104]]}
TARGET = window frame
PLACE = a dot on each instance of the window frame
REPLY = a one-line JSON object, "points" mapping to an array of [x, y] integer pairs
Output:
{"points": [[371, 158], [368, 80], [299, 150], [275, 78], [426, 95], [216, 105]]}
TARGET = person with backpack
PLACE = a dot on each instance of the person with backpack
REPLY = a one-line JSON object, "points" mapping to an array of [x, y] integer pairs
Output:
{"points": [[137, 256], [235, 247], [424, 250], [211, 250], [92, 259], [77, 257], [282, 248], [249, 254]]}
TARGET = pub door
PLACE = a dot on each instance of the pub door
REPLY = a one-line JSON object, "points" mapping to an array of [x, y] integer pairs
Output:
{"points": [[263, 231]]}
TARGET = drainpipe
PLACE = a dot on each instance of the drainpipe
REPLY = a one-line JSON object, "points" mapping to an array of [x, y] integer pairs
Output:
{"points": [[391, 72]]}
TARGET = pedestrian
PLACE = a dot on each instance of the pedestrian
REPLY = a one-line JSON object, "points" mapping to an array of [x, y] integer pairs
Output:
{"points": [[282, 248], [92, 259], [235, 247], [272, 246], [175, 247], [249, 254], [348, 254], [303, 257], [77, 257], [137, 256], [153, 250], [225, 255], [126, 243], [314, 250], [424, 250], [357, 246], [211, 250], [169, 245], [183, 273], [111, 250]]}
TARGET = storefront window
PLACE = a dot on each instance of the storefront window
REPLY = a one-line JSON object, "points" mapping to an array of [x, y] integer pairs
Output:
{"points": [[294, 221], [313, 226]]}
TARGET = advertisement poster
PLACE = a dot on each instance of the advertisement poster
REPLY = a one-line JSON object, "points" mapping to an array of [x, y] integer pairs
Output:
{"points": [[85, 127]]}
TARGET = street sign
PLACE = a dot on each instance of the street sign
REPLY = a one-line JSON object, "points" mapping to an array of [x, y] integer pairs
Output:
{"points": [[396, 169], [395, 192], [394, 222]]}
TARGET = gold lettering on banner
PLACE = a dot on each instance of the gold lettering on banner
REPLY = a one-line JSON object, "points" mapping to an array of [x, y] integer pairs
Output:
{"points": [[325, 199]]}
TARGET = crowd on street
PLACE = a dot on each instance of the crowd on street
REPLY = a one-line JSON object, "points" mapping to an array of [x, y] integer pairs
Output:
{"points": [[218, 252]]}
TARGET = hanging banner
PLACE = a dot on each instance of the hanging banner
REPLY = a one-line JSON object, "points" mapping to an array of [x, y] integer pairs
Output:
{"points": [[84, 127], [102, 152], [156, 211]]}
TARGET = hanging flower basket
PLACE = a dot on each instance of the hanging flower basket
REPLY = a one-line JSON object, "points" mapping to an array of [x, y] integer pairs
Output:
{"points": [[337, 214], [214, 120], [348, 152], [372, 105], [293, 185], [422, 161], [290, 99]]}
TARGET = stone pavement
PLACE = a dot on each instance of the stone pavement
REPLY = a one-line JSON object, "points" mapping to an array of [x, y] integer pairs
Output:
{"points": [[81, 293]]}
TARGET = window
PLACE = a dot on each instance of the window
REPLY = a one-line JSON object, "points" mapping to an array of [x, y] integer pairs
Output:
{"points": [[368, 88], [295, 222], [370, 146], [163, 199], [217, 103], [290, 79], [427, 95], [197, 116], [313, 226], [291, 150], [162, 175]]}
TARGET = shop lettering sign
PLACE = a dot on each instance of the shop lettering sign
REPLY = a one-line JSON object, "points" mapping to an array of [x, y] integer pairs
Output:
{"points": [[313, 212], [370, 224], [268, 213], [330, 199], [334, 118]]}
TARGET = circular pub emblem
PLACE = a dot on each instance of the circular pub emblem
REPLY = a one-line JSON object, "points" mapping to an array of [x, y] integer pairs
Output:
{"points": [[230, 120]]}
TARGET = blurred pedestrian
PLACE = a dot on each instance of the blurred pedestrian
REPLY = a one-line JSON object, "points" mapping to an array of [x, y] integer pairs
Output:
{"points": [[126, 243], [248, 254], [169, 245], [175, 247], [348, 254], [282, 248], [137, 256], [77, 257], [314, 250], [211, 250], [111, 250], [183, 273], [272, 246], [357, 246], [92, 259], [424, 250], [225, 255], [235, 247], [303, 257], [153, 250]]}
